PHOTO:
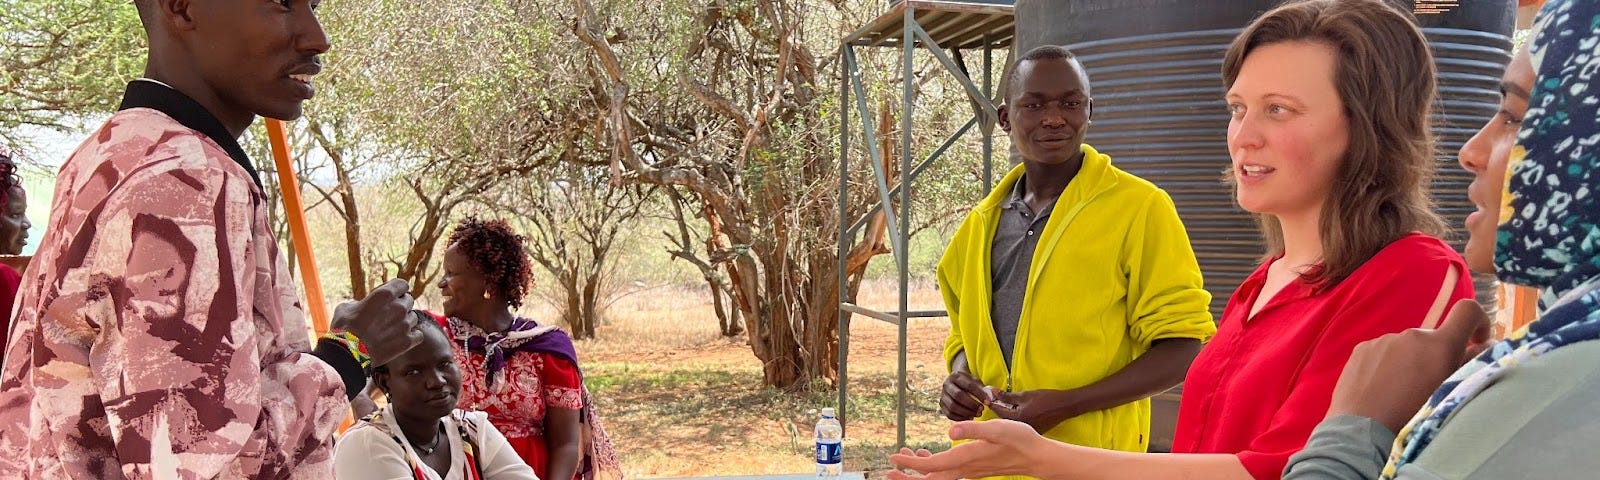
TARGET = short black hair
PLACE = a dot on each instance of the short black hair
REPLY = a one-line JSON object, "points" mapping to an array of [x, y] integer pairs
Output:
{"points": [[1043, 52], [425, 323]]}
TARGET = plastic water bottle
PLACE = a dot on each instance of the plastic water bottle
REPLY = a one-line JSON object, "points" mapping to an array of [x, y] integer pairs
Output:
{"points": [[830, 447]]}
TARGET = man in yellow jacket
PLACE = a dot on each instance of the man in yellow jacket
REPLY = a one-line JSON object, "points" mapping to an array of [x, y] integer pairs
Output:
{"points": [[1073, 292]]}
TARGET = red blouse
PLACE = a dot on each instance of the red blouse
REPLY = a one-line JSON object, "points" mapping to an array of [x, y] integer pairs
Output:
{"points": [[528, 386], [10, 280], [1262, 384]]}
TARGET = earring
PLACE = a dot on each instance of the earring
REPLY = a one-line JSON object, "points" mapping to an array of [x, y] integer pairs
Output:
{"points": [[486, 296]]}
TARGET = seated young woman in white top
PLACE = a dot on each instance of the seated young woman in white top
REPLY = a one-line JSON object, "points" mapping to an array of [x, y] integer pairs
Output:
{"points": [[420, 434]]}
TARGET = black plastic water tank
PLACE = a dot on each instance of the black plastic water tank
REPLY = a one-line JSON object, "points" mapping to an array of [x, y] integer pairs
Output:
{"points": [[1155, 66], [1471, 47]]}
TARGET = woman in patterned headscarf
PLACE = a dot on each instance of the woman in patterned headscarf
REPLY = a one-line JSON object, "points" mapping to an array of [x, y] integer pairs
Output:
{"points": [[1528, 406]]}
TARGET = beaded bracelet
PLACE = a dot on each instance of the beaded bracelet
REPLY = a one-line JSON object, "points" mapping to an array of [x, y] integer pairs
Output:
{"points": [[349, 341]]}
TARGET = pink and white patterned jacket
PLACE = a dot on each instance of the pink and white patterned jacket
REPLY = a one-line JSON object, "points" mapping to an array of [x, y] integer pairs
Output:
{"points": [[158, 334]]}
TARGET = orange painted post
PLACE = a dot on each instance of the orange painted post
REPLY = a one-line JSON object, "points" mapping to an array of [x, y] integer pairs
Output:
{"points": [[1526, 9], [299, 234], [1518, 307]]}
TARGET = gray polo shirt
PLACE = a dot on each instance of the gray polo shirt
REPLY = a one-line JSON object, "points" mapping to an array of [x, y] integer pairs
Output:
{"points": [[1010, 258], [1539, 421]]}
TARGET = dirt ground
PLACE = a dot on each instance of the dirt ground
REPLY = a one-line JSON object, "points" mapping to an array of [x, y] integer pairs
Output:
{"points": [[680, 400]]}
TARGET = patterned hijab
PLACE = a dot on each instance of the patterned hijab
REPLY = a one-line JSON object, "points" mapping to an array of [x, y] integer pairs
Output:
{"points": [[1551, 235], [1551, 239]]}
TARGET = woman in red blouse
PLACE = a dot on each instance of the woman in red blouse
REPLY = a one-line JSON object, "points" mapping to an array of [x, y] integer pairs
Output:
{"points": [[523, 374], [13, 236], [1331, 149]]}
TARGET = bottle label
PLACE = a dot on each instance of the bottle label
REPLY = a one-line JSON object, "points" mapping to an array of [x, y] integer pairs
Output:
{"points": [[830, 453]]}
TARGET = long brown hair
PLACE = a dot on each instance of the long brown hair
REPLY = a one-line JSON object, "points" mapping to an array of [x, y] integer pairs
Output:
{"points": [[1386, 81]]}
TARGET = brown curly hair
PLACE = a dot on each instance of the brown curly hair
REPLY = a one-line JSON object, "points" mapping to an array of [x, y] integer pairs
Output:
{"points": [[496, 251]]}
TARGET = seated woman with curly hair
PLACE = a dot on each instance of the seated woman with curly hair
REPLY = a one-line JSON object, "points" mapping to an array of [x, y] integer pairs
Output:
{"points": [[525, 375]]}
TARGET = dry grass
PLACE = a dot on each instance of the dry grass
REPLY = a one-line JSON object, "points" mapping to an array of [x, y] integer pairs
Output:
{"points": [[680, 400]]}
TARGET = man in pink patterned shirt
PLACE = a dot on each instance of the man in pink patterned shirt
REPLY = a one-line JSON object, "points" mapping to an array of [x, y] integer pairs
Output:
{"points": [[158, 334]]}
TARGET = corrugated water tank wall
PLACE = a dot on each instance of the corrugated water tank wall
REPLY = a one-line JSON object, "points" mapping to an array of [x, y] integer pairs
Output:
{"points": [[1471, 47]]}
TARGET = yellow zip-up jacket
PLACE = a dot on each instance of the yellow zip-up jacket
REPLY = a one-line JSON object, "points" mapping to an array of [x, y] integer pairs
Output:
{"points": [[1113, 272]]}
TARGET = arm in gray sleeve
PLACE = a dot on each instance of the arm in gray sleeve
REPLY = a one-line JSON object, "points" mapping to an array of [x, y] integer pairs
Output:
{"points": [[1346, 447]]}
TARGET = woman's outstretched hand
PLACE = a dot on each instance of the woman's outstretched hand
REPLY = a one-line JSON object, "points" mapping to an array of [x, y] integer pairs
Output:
{"points": [[996, 447]]}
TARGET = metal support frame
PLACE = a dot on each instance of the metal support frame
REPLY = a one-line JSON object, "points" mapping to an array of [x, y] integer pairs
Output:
{"points": [[898, 220]]}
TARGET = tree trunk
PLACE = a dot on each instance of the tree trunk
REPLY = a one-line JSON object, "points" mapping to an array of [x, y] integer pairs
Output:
{"points": [[572, 309], [822, 317], [793, 324], [728, 319], [589, 313], [347, 207], [352, 229], [415, 267], [736, 322]]}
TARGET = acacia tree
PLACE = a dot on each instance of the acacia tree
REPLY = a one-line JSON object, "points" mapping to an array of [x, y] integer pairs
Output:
{"points": [[334, 139], [708, 257], [754, 152], [61, 59], [727, 103], [573, 216], [423, 109]]}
